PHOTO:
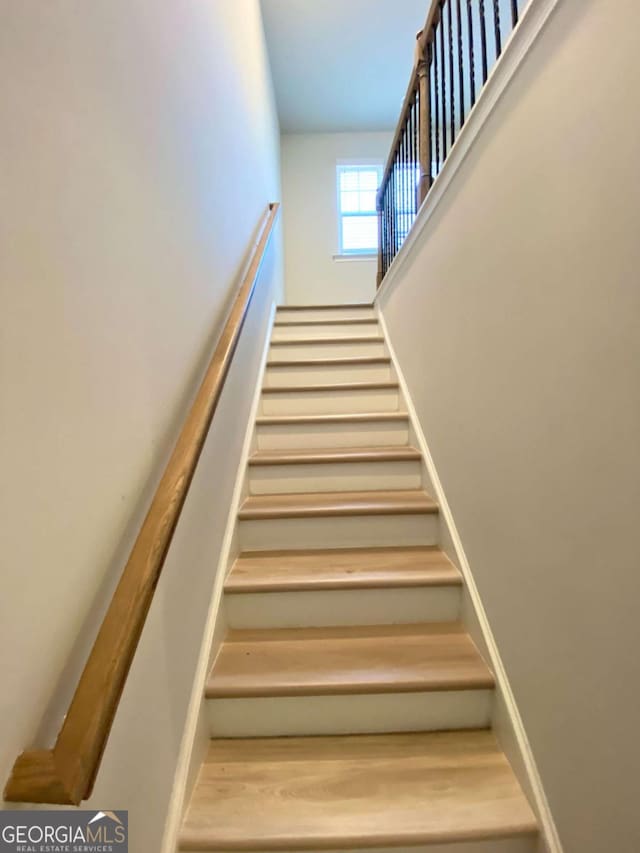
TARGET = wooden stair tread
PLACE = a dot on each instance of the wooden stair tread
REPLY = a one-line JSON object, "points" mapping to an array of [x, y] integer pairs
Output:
{"points": [[335, 454], [338, 321], [344, 568], [335, 339], [331, 387], [321, 661], [345, 361], [356, 417], [335, 305], [354, 791], [327, 504]]}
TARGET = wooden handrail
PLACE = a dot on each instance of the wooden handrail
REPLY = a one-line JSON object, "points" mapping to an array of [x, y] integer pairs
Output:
{"points": [[406, 105], [66, 773], [423, 39], [444, 71], [417, 93]]}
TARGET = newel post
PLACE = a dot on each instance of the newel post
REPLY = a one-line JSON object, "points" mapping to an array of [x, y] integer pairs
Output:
{"points": [[423, 48]]}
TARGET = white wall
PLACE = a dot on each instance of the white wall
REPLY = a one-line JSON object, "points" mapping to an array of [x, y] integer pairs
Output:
{"points": [[139, 149], [310, 216], [516, 322]]}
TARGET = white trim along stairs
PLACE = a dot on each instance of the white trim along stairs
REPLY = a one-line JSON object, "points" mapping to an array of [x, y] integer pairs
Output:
{"points": [[349, 706]]}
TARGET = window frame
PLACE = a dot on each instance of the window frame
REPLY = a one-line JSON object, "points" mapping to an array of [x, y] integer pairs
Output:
{"points": [[360, 165]]}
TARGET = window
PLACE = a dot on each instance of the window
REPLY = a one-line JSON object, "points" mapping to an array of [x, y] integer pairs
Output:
{"points": [[357, 216]]}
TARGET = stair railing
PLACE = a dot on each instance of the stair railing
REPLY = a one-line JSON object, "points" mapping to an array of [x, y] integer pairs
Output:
{"points": [[66, 773], [454, 52]]}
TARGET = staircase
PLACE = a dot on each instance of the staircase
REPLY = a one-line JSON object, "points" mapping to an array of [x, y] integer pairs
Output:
{"points": [[348, 707]]}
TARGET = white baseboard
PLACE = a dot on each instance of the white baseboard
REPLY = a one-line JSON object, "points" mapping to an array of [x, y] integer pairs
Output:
{"points": [[533, 20], [196, 732], [507, 721]]}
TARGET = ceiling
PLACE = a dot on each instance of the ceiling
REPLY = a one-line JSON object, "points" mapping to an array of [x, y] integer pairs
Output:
{"points": [[341, 65]]}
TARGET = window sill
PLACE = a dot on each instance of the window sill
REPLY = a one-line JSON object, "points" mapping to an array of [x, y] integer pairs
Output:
{"points": [[341, 258]]}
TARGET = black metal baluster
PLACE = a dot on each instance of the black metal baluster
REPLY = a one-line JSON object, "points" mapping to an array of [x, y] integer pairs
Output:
{"points": [[412, 158], [514, 12], [452, 91], [401, 194], [380, 210], [443, 101], [415, 166], [436, 115], [409, 160], [389, 227], [406, 176], [460, 63], [496, 27], [400, 197], [410, 164], [384, 232], [395, 205], [388, 216], [472, 57], [389, 213], [381, 230], [405, 203], [391, 209], [392, 215], [383, 241], [400, 222], [433, 96], [416, 146], [418, 118], [418, 161], [409, 169], [410, 181], [406, 173], [483, 41], [398, 201], [416, 125], [397, 195]]}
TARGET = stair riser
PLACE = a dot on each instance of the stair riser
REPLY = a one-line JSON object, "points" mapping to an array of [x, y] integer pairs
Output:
{"points": [[334, 477], [276, 377], [360, 349], [330, 403], [524, 844], [288, 316], [325, 330], [324, 608], [350, 714], [338, 532], [299, 436]]}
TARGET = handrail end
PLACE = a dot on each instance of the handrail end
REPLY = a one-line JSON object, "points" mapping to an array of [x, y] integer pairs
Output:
{"points": [[36, 779]]}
